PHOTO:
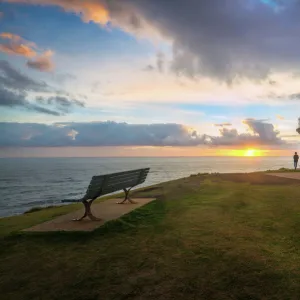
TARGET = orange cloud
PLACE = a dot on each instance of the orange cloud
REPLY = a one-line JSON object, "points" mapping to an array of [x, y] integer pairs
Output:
{"points": [[17, 49], [10, 36], [16, 45], [119, 13], [89, 10], [42, 63], [279, 117]]}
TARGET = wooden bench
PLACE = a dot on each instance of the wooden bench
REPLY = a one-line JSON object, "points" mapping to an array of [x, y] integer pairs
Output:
{"points": [[110, 183]]}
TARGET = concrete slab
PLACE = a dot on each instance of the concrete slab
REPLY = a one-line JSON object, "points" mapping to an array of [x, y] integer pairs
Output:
{"points": [[106, 211], [295, 175]]}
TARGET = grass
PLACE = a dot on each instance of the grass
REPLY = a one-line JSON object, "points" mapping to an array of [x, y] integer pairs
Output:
{"points": [[283, 170], [222, 236]]}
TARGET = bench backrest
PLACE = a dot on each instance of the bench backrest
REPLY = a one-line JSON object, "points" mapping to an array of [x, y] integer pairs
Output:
{"points": [[106, 184]]}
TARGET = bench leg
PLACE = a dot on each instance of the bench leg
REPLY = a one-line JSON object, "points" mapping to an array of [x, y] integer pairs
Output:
{"points": [[127, 197], [87, 211]]}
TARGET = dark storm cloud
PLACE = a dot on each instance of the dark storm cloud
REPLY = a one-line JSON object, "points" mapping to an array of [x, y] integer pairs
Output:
{"points": [[123, 134], [226, 38], [223, 39]]}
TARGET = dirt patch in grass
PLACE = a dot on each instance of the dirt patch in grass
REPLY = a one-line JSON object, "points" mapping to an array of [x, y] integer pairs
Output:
{"points": [[257, 178]]}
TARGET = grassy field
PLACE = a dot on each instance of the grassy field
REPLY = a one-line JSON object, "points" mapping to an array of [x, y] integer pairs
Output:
{"points": [[234, 236]]}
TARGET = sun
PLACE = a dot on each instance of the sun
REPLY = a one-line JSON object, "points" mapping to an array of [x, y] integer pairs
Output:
{"points": [[250, 152]]}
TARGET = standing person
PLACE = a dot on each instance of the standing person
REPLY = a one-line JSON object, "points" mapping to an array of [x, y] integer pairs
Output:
{"points": [[296, 158]]}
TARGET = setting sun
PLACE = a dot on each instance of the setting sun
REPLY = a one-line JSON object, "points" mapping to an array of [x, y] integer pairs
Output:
{"points": [[251, 152]]}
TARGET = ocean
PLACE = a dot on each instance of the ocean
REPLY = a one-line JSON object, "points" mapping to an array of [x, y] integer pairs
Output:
{"points": [[32, 182]]}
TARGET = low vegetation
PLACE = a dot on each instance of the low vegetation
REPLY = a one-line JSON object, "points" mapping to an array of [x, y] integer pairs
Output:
{"points": [[221, 236], [282, 170]]}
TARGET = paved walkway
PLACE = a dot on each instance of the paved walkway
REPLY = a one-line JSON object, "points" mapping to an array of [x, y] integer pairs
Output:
{"points": [[295, 175], [106, 211]]}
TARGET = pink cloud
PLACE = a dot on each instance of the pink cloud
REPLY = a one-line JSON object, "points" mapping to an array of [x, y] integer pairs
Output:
{"points": [[17, 49], [42, 63]]}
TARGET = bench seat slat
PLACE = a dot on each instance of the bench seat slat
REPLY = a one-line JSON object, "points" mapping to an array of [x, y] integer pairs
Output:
{"points": [[121, 177], [132, 180], [120, 174], [134, 177], [126, 173]]}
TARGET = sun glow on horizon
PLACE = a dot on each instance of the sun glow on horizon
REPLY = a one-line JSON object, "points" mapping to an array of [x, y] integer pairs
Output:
{"points": [[250, 152], [253, 152]]}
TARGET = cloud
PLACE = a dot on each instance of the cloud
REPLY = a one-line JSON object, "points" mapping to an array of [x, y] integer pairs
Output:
{"points": [[42, 63], [17, 49], [95, 86], [124, 134], [97, 134], [61, 103], [64, 77], [19, 46], [223, 124], [14, 88], [264, 131], [10, 36], [11, 99], [226, 39], [16, 45], [89, 10], [19, 99], [260, 133], [149, 68], [159, 65], [160, 62], [12, 79], [279, 117], [222, 39], [295, 96]]}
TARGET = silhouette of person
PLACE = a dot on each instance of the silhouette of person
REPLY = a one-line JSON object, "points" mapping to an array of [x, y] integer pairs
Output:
{"points": [[296, 158]]}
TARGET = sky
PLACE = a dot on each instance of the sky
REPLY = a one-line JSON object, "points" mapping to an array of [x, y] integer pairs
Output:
{"points": [[149, 77]]}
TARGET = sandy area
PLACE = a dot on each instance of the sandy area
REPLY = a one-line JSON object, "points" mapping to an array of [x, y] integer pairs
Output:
{"points": [[106, 211]]}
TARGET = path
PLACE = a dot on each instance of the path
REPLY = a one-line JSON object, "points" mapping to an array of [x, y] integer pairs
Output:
{"points": [[295, 175], [106, 211]]}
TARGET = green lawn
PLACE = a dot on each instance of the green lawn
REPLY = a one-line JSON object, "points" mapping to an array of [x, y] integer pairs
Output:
{"points": [[206, 237]]}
